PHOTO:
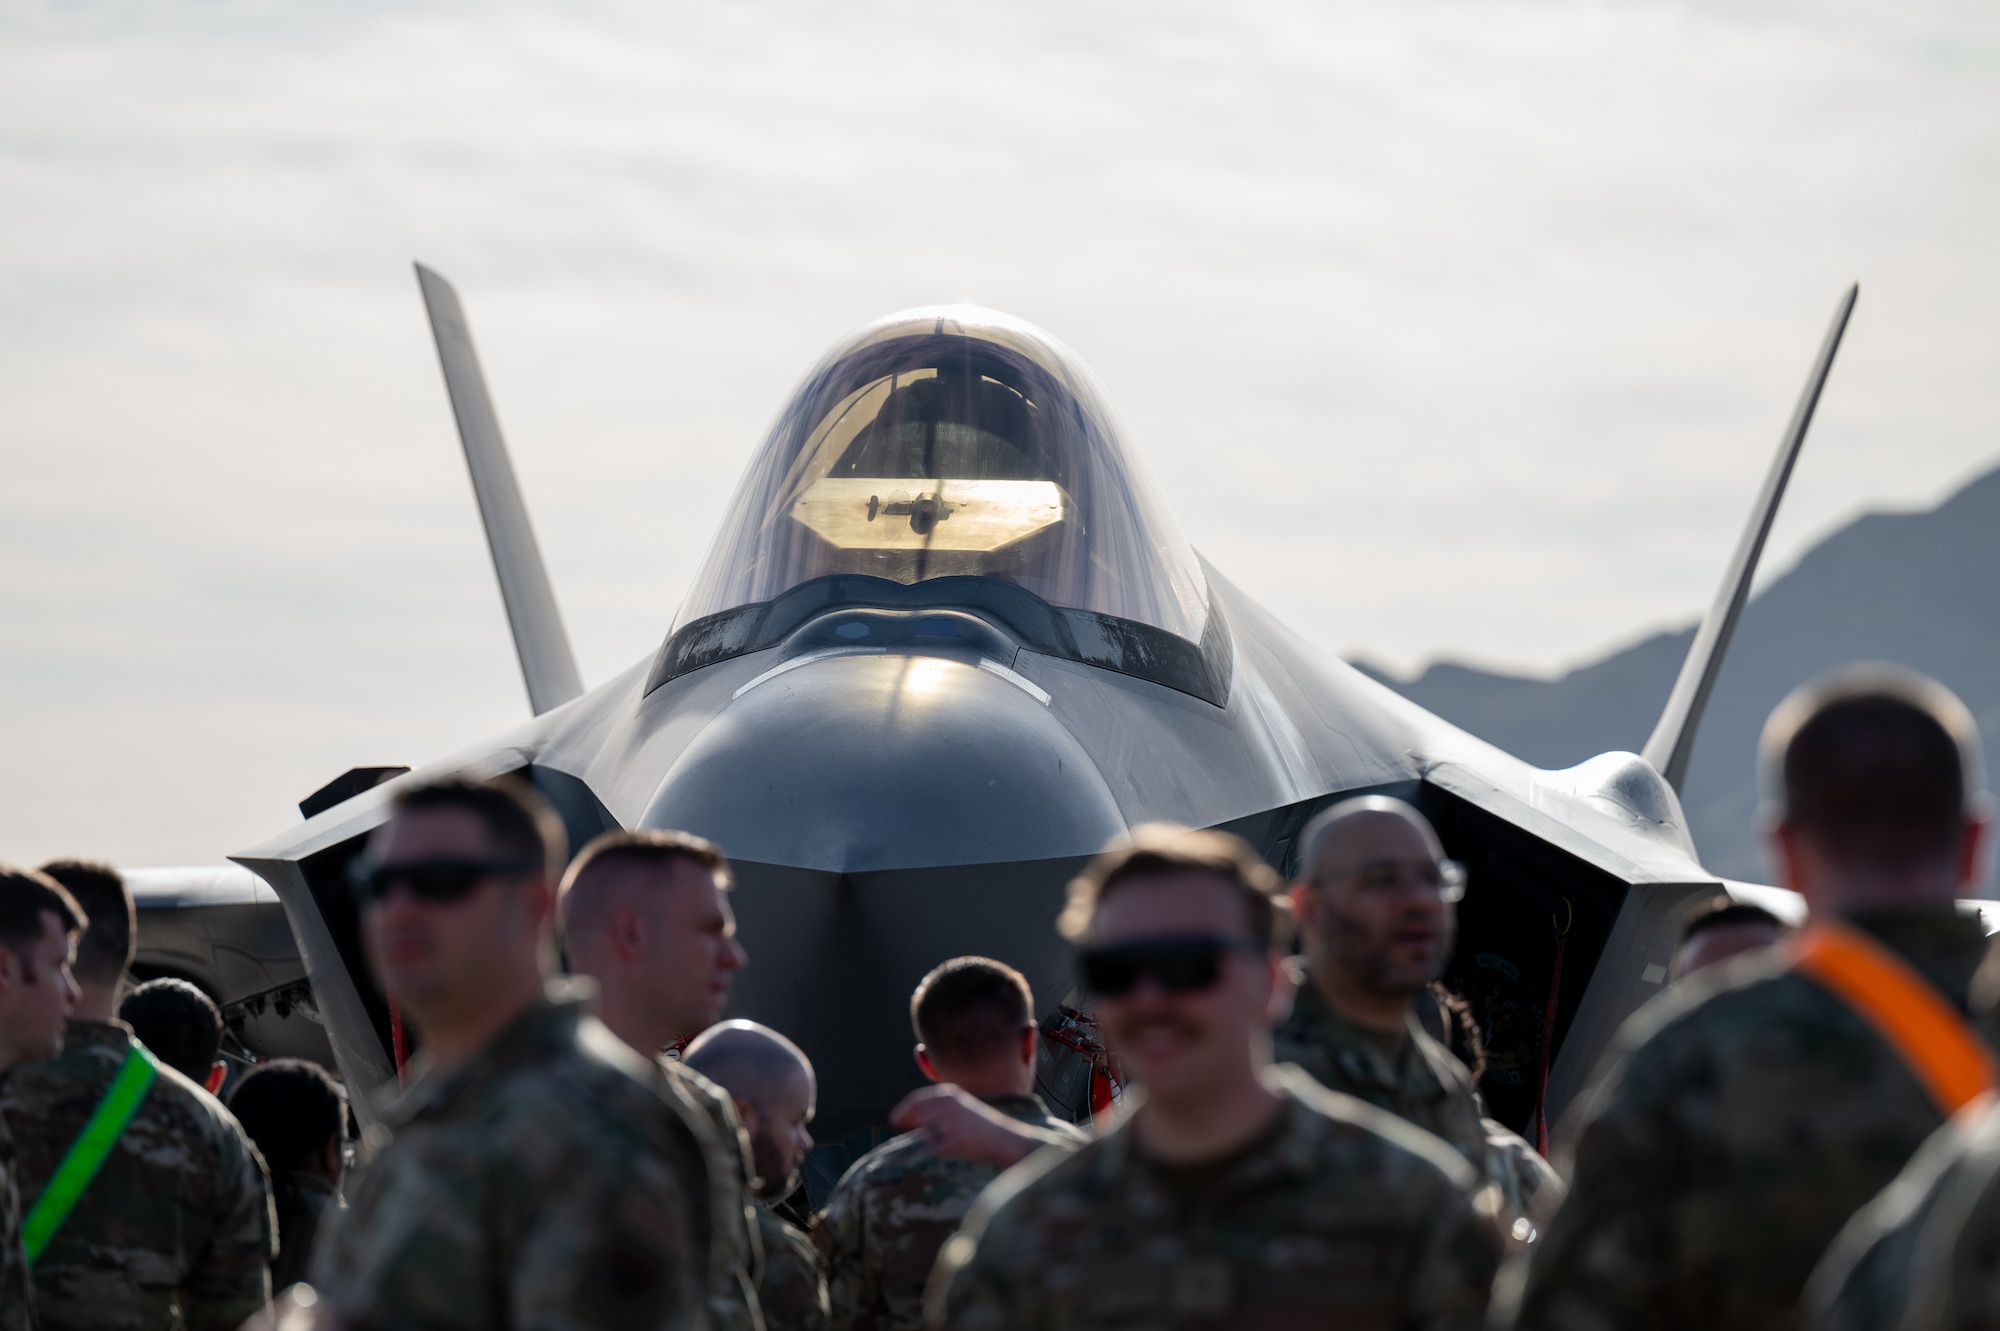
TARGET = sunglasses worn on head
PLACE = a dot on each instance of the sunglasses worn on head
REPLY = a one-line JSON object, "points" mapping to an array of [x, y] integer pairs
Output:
{"points": [[1178, 965], [428, 880]]}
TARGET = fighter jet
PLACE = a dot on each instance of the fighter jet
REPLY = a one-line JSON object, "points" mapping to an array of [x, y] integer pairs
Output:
{"points": [[950, 641]]}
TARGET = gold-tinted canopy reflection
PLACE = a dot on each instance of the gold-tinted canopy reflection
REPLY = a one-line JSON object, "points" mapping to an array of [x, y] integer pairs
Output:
{"points": [[877, 513]]}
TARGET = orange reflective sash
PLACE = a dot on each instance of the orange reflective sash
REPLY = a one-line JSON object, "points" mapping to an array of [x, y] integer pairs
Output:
{"points": [[1953, 1063]]}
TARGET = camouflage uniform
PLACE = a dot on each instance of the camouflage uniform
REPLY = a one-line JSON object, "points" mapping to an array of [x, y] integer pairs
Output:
{"points": [[1414, 1078], [1743, 1117], [1529, 1186], [545, 1183], [17, 1291], [736, 1245], [176, 1228], [893, 1210], [1341, 1215], [793, 1291], [1925, 1254]]}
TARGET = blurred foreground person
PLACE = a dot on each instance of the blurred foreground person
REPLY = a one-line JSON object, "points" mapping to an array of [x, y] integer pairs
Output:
{"points": [[1376, 904], [39, 921], [1722, 928], [531, 1174], [1925, 1254], [895, 1207], [1233, 1194], [182, 1026], [646, 915], [298, 1119], [171, 1219], [770, 1082], [1749, 1111]]}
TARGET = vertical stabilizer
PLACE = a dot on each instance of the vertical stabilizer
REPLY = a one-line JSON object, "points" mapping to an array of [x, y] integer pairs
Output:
{"points": [[1672, 744], [547, 664]]}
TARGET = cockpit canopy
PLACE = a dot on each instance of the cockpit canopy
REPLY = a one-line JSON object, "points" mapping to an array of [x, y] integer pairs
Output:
{"points": [[953, 442]]}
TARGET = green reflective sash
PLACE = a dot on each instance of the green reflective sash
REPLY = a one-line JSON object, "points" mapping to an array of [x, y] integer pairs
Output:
{"points": [[87, 1154]]}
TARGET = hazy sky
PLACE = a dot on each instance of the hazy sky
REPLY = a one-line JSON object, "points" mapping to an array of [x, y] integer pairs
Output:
{"points": [[1450, 328]]}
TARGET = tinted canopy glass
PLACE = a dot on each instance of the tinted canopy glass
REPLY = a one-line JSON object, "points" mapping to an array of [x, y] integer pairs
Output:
{"points": [[949, 443]]}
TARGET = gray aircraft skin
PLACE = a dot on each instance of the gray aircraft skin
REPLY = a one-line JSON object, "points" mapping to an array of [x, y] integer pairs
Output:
{"points": [[948, 643]]}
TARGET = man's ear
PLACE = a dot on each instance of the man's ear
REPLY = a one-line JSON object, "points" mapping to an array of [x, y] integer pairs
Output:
{"points": [[1031, 1043], [924, 1063], [747, 1113], [1782, 841], [1302, 898], [216, 1076], [628, 933], [1278, 1005], [1972, 844], [538, 898]]}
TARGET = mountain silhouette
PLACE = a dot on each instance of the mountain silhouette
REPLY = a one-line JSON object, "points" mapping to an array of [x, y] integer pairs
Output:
{"points": [[1920, 589]]}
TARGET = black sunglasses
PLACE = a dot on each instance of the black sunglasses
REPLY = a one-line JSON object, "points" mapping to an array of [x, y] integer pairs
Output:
{"points": [[428, 880], [1178, 965]]}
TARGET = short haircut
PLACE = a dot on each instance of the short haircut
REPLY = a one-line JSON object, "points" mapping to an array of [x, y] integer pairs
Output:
{"points": [[1169, 848], [651, 847], [105, 951], [25, 896], [1725, 912], [646, 848], [291, 1109], [749, 1061], [1874, 763], [178, 1022], [971, 1009], [518, 821]]}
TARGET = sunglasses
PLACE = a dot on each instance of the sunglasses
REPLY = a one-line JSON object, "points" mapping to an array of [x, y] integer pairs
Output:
{"points": [[428, 880], [1178, 965]]}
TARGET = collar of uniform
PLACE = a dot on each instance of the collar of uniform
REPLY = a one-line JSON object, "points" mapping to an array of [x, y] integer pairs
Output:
{"points": [[78, 1034], [1291, 1154], [1026, 1108], [566, 1000], [1943, 945]]}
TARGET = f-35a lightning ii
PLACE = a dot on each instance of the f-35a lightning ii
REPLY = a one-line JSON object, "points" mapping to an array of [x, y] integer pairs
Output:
{"points": [[948, 642]]}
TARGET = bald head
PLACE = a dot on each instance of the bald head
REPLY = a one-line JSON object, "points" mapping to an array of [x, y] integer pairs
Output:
{"points": [[771, 1081], [1352, 831], [1374, 905], [750, 1061]]}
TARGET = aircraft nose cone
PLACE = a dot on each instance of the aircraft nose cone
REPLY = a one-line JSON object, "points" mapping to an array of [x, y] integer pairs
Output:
{"points": [[872, 762]]}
